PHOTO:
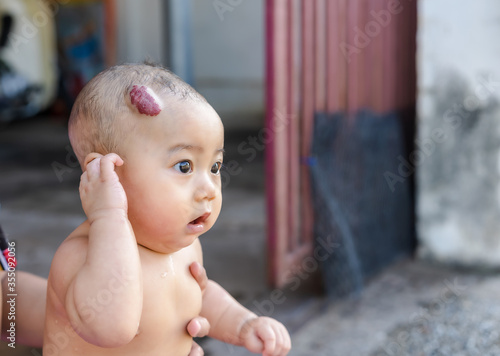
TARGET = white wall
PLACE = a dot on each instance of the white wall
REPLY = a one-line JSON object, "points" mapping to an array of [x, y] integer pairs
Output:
{"points": [[140, 30], [228, 50], [458, 183]]}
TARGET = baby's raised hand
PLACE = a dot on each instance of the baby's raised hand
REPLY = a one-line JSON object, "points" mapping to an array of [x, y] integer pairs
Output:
{"points": [[265, 335], [100, 189]]}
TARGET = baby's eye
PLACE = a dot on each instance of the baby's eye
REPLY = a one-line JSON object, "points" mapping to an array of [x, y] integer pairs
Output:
{"points": [[184, 167], [216, 168]]}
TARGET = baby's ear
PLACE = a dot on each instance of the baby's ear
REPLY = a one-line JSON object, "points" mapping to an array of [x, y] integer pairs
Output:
{"points": [[90, 157]]}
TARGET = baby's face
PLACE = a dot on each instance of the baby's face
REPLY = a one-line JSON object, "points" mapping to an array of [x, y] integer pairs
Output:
{"points": [[171, 174]]}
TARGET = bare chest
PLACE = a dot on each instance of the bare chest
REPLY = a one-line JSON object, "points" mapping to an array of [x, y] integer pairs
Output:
{"points": [[172, 297]]}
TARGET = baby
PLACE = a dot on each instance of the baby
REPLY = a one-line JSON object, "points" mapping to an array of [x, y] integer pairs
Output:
{"points": [[151, 150]]}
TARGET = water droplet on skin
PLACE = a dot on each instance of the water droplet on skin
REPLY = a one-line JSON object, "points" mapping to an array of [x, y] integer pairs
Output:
{"points": [[170, 267], [171, 264]]}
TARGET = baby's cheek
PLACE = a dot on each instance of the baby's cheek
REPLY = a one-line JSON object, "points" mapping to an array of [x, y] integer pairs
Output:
{"points": [[216, 209]]}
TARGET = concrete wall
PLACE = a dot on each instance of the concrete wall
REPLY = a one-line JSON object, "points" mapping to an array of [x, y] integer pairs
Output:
{"points": [[457, 153]]}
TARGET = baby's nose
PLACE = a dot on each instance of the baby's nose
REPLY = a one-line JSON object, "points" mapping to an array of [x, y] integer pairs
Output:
{"points": [[206, 190]]}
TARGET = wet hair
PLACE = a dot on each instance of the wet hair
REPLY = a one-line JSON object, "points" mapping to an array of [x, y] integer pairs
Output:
{"points": [[94, 123]]}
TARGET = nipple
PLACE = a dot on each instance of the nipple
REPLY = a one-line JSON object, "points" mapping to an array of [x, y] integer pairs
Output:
{"points": [[145, 100]]}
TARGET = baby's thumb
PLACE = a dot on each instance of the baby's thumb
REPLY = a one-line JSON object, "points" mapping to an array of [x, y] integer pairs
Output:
{"points": [[198, 327]]}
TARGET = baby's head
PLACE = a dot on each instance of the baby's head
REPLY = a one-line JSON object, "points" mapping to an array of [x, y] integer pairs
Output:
{"points": [[171, 141], [102, 111]]}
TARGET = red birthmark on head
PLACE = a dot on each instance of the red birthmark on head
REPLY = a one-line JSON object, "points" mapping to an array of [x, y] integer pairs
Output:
{"points": [[144, 101]]}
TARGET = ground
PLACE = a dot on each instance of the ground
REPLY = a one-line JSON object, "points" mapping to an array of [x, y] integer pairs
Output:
{"points": [[413, 307]]}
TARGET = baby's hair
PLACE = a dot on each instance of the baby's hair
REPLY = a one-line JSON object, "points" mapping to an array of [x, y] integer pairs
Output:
{"points": [[94, 120]]}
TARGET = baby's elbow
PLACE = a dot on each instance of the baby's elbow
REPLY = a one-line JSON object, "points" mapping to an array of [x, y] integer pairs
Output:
{"points": [[114, 336], [109, 326], [107, 332], [119, 337]]}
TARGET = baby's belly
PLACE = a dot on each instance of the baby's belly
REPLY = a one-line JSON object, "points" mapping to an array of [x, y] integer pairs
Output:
{"points": [[66, 342], [166, 324], [170, 303]]}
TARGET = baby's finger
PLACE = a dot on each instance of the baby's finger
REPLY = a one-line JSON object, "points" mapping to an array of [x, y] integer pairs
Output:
{"points": [[84, 179], [198, 327], [287, 342], [93, 169], [108, 164], [283, 343], [253, 343], [196, 350], [200, 274], [268, 336], [278, 348]]}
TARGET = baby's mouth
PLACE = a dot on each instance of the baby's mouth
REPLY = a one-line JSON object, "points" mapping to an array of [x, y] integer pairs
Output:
{"points": [[200, 220]]}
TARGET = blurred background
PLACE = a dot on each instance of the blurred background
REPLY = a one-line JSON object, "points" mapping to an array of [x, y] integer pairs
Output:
{"points": [[361, 196]]}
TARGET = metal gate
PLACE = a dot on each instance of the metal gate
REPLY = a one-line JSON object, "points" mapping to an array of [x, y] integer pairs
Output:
{"points": [[327, 57]]}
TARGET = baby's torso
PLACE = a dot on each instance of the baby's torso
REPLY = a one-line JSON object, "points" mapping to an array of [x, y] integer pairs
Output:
{"points": [[172, 297]]}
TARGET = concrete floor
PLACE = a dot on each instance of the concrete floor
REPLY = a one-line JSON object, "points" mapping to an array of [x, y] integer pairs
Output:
{"points": [[40, 207]]}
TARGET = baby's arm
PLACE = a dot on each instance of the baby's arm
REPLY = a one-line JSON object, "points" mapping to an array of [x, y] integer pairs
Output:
{"points": [[232, 323], [112, 265]]}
